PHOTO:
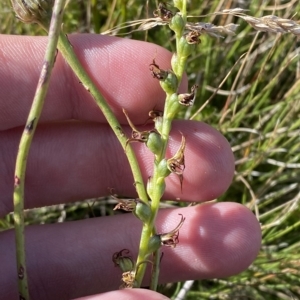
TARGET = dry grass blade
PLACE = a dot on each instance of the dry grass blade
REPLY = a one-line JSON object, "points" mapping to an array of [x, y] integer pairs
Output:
{"points": [[270, 23]]}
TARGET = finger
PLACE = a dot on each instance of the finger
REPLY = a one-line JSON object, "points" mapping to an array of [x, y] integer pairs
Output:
{"points": [[73, 259], [127, 294], [75, 161], [119, 67]]}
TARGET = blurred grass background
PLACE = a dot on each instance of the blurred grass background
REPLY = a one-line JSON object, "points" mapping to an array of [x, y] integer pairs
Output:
{"points": [[257, 109]]}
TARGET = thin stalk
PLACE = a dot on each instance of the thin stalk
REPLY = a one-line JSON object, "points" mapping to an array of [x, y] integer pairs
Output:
{"points": [[155, 270], [25, 143], [69, 55]]}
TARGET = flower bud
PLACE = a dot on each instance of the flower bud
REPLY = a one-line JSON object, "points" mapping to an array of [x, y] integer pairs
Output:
{"points": [[177, 24], [150, 187], [154, 243], [154, 143], [170, 83], [123, 260], [174, 63], [160, 186], [142, 211], [157, 188], [185, 48], [173, 106], [159, 124], [162, 168], [33, 11]]}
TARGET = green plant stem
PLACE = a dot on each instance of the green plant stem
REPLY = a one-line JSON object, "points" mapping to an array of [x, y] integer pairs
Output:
{"points": [[25, 143], [159, 181], [69, 55]]}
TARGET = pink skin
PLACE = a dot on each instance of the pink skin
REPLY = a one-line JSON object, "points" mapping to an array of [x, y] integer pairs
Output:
{"points": [[72, 161]]}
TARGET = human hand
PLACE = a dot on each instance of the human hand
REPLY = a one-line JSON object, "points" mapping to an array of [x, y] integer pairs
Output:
{"points": [[76, 160]]}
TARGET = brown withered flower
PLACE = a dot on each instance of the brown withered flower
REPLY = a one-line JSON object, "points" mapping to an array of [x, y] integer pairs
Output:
{"points": [[163, 12], [156, 72], [171, 239], [193, 37], [154, 115], [123, 260], [125, 204], [188, 99], [136, 135], [176, 163]]}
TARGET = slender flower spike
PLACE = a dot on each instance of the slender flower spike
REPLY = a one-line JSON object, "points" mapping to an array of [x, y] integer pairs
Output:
{"points": [[176, 163], [156, 72], [171, 239], [137, 136], [188, 99]]}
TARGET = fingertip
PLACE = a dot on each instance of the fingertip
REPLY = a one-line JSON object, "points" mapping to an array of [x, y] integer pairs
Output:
{"points": [[127, 294], [217, 240], [119, 67]]}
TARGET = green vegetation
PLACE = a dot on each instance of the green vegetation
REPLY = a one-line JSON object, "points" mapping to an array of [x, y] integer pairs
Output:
{"points": [[257, 109]]}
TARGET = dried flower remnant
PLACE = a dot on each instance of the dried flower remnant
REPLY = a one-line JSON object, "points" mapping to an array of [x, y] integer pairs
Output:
{"points": [[137, 136], [171, 239], [193, 37], [33, 11], [154, 115], [124, 261], [162, 17], [163, 12], [125, 204], [128, 279], [156, 72], [176, 163], [188, 99]]}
